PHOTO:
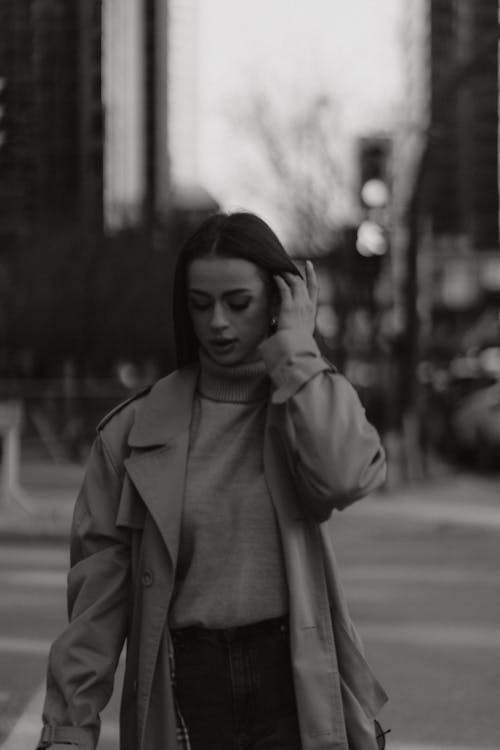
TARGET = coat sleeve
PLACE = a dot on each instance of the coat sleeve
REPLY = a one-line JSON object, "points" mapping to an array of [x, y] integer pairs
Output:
{"points": [[336, 453], [83, 659]]}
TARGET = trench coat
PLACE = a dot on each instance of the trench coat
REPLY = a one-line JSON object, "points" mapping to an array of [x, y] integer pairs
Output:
{"points": [[320, 454]]}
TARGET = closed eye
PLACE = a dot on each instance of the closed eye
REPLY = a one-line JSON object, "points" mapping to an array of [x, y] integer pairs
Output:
{"points": [[200, 305]]}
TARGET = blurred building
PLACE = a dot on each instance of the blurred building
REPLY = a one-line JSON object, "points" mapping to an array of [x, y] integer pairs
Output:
{"points": [[452, 97], [183, 90], [150, 93], [135, 94], [123, 72], [84, 112], [86, 137], [17, 160], [98, 111], [52, 125]]}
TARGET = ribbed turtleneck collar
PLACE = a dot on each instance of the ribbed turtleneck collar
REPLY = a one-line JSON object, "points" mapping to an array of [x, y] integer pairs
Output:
{"points": [[237, 383]]}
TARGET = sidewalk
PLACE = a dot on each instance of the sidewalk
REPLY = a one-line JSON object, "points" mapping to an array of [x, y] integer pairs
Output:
{"points": [[459, 498]]}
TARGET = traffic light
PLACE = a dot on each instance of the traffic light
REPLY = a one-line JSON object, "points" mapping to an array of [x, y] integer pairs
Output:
{"points": [[374, 195], [374, 179]]}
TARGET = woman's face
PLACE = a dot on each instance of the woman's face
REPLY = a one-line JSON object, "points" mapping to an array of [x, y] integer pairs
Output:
{"points": [[230, 306]]}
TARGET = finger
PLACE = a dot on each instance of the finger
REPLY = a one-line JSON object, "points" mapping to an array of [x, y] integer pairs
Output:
{"points": [[292, 278], [312, 281], [283, 287], [295, 282]]}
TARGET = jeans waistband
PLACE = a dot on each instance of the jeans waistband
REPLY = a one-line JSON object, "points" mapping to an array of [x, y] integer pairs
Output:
{"points": [[241, 632]]}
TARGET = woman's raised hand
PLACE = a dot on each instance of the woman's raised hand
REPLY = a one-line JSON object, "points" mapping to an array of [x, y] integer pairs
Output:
{"points": [[299, 300]]}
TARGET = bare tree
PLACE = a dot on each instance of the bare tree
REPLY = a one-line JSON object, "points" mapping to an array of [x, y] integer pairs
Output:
{"points": [[299, 148]]}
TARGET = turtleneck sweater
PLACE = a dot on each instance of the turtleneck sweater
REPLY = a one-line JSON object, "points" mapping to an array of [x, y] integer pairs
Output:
{"points": [[230, 569]]}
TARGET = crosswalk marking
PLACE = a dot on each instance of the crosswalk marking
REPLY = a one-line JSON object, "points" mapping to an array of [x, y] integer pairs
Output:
{"points": [[27, 728], [425, 574], [34, 555], [433, 634], [418, 574], [28, 646], [37, 578], [447, 512]]}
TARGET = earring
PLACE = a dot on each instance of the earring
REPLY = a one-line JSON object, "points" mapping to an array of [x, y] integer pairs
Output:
{"points": [[274, 323]]}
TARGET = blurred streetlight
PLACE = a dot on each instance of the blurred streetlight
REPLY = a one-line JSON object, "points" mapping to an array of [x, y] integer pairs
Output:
{"points": [[371, 239], [375, 193]]}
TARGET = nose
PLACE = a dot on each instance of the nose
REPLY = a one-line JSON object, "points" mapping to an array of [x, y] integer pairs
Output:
{"points": [[218, 321]]}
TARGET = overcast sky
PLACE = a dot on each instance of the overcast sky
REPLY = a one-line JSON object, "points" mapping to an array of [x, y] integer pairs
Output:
{"points": [[348, 48]]}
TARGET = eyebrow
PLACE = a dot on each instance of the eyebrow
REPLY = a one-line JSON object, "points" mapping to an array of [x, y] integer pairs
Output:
{"points": [[224, 294]]}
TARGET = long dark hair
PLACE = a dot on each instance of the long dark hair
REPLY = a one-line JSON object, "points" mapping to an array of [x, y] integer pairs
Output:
{"points": [[231, 235]]}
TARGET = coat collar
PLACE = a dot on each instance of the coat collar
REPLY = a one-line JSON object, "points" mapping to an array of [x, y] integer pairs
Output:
{"points": [[166, 410]]}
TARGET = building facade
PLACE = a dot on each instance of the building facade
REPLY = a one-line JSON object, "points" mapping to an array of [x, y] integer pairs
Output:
{"points": [[124, 101], [17, 157], [137, 43], [51, 152], [452, 89], [83, 113], [183, 91]]}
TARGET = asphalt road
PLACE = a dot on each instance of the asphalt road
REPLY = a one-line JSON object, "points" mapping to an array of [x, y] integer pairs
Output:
{"points": [[32, 613], [425, 594], [426, 598]]}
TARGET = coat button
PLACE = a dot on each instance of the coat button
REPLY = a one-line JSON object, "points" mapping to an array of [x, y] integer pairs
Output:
{"points": [[147, 578]]}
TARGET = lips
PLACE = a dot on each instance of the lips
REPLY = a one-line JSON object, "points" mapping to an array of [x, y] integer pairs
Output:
{"points": [[221, 343], [222, 346]]}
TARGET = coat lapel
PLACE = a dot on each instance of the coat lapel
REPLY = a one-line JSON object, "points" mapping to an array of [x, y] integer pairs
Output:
{"points": [[159, 440]]}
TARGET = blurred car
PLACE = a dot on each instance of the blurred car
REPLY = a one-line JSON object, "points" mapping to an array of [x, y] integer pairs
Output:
{"points": [[461, 407], [475, 425]]}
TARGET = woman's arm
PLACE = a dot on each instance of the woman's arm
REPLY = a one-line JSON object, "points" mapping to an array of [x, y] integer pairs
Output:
{"points": [[83, 659], [336, 452]]}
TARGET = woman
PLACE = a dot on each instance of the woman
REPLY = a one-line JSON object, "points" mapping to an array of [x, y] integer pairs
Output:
{"points": [[202, 532]]}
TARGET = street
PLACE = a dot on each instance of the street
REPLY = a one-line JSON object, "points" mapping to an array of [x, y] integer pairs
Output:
{"points": [[32, 612], [426, 597], [425, 593]]}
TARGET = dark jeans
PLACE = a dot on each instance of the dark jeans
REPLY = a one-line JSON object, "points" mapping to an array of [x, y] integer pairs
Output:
{"points": [[235, 687]]}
